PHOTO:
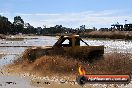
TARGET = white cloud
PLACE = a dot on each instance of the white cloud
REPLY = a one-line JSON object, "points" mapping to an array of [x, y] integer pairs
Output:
{"points": [[23, 14], [3, 13], [46, 14], [89, 18]]}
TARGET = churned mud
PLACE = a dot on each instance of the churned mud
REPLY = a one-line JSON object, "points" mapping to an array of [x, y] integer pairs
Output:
{"points": [[110, 63], [61, 71]]}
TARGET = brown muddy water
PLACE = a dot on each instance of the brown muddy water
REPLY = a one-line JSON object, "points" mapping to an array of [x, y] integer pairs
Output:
{"points": [[9, 53]]}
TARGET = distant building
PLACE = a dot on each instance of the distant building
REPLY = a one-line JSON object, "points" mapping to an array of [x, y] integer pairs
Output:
{"points": [[120, 27], [128, 27], [117, 27]]}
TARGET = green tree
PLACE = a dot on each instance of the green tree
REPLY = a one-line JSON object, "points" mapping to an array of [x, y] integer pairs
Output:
{"points": [[28, 29], [5, 25], [18, 24]]}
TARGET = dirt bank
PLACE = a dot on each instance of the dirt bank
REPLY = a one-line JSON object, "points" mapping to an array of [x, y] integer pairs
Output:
{"points": [[2, 36], [108, 34]]}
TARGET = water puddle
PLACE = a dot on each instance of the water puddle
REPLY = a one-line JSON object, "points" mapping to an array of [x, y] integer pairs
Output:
{"points": [[14, 82], [7, 59]]}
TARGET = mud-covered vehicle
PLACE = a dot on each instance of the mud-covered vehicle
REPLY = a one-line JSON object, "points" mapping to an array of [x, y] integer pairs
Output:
{"points": [[66, 45]]}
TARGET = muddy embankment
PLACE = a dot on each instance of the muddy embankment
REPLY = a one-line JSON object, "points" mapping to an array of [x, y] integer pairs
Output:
{"points": [[2, 36], [127, 35], [16, 37], [108, 34]]}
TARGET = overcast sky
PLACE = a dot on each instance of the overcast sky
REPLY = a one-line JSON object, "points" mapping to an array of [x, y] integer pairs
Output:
{"points": [[69, 13]]}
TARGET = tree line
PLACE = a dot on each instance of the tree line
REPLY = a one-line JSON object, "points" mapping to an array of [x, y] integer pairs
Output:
{"points": [[19, 26]]}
